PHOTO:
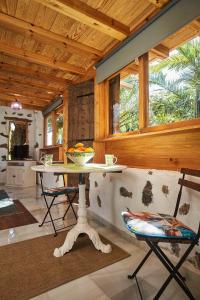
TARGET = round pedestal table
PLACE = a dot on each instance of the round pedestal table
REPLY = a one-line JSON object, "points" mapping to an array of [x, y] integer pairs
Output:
{"points": [[82, 225]]}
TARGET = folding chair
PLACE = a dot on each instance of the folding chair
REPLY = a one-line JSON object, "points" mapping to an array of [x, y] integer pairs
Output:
{"points": [[54, 193], [156, 228]]}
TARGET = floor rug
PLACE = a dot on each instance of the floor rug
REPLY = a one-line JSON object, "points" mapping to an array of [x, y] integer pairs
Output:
{"points": [[29, 268], [16, 215], [3, 194]]}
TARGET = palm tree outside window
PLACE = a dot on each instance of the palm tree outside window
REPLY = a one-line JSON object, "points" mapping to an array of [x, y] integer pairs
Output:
{"points": [[174, 85]]}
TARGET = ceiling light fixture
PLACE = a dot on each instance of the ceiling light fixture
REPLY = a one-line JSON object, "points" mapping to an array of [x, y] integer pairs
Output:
{"points": [[16, 105]]}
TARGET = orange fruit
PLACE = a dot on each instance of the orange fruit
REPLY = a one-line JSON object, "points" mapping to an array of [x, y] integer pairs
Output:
{"points": [[77, 150], [89, 149], [79, 145]]}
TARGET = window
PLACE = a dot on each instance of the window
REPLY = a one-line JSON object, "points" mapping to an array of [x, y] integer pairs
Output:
{"points": [[59, 129], [54, 127], [123, 100], [168, 79], [49, 131], [174, 85]]}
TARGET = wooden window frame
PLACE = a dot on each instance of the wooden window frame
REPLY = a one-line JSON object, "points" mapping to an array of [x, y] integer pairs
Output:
{"points": [[144, 127], [53, 114]]}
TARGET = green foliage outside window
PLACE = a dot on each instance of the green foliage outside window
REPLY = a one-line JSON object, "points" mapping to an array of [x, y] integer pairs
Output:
{"points": [[129, 105], [59, 129], [175, 85], [174, 89]]}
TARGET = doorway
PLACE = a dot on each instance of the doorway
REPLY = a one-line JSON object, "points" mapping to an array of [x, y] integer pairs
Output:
{"points": [[18, 135]]}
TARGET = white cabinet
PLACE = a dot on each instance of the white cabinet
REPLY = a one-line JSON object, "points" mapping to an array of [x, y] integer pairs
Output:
{"points": [[19, 173]]}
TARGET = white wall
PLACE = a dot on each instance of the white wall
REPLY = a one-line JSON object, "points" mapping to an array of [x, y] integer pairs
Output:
{"points": [[35, 133], [107, 202]]}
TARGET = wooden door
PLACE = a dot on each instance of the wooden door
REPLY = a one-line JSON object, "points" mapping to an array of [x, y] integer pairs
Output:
{"points": [[81, 119]]}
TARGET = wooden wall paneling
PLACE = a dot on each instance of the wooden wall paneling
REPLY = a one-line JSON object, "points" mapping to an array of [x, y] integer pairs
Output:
{"points": [[169, 151], [101, 111], [99, 148], [143, 90]]}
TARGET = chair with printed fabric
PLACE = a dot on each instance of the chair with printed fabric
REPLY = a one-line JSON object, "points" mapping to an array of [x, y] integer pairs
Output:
{"points": [[156, 228]]}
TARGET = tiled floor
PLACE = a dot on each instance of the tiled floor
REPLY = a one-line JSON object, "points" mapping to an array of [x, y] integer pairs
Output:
{"points": [[110, 282]]}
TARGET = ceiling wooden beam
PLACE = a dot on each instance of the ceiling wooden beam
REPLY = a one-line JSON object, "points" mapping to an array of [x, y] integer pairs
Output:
{"points": [[81, 12], [132, 68], [47, 36], [195, 25], [161, 51], [12, 88], [90, 73], [25, 106], [33, 73], [10, 99], [40, 59], [143, 17], [24, 82], [18, 95], [158, 3]]}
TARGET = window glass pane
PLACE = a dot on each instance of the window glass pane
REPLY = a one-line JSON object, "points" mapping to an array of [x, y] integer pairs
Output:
{"points": [[59, 129], [49, 131], [123, 97], [174, 85], [129, 103]]}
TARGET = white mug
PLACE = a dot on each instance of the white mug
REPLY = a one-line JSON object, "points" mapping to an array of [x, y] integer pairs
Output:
{"points": [[47, 159], [110, 159]]}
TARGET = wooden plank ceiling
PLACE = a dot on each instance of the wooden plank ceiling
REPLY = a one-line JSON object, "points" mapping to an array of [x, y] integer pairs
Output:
{"points": [[47, 44]]}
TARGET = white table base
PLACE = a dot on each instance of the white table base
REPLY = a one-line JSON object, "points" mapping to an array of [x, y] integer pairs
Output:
{"points": [[82, 226]]}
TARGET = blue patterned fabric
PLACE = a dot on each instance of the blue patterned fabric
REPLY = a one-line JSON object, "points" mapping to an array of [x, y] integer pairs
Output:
{"points": [[145, 224]]}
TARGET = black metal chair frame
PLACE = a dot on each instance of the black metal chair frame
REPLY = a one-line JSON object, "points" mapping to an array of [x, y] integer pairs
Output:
{"points": [[154, 248], [69, 200]]}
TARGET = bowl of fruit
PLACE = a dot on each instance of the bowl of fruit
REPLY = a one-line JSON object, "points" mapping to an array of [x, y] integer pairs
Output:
{"points": [[79, 154]]}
